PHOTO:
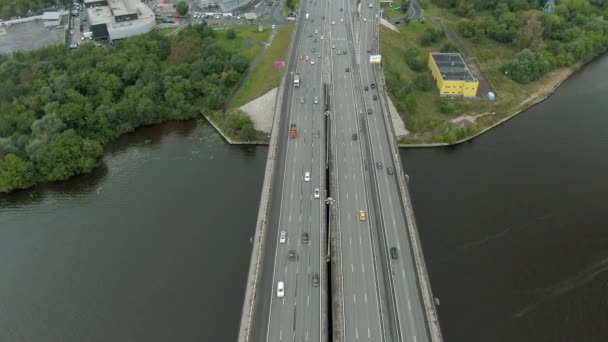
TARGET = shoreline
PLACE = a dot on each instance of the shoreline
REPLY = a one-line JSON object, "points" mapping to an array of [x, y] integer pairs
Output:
{"points": [[230, 140], [529, 103]]}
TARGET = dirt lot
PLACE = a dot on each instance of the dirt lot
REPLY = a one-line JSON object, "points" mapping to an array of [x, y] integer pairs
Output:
{"points": [[29, 36]]}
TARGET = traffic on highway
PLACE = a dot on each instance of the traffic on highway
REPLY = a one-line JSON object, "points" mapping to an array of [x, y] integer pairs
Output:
{"points": [[334, 157]]}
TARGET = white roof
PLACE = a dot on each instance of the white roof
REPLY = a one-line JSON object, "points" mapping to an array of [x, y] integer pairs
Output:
{"points": [[51, 16], [250, 16]]}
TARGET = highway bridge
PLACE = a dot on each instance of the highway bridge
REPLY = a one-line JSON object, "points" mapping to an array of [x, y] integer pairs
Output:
{"points": [[336, 255]]}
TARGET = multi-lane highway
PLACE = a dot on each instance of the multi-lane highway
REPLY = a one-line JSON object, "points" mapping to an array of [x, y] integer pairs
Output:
{"points": [[380, 295], [298, 262], [404, 304]]}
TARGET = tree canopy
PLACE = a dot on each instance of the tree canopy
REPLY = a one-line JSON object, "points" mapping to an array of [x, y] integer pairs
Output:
{"points": [[58, 107], [576, 32]]}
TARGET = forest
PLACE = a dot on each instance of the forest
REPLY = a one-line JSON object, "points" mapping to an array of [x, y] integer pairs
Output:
{"points": [[576, 31], [58, 107]]}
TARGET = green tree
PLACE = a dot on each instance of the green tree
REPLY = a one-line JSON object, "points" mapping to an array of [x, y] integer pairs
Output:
{"points": [[424, 81], [15, 173], [182, 8], [69, 154], [231, 34], [527, 66]]}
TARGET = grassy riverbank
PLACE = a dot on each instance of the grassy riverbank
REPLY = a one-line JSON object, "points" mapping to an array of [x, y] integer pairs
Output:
{"points": [[265, 75], [432, 119]]}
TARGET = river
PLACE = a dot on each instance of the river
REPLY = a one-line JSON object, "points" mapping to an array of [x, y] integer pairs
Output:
{"points": [[154, 245]]}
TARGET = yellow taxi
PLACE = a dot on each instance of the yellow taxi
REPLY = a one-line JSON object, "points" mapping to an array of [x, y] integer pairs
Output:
{"points": [[362, 215]]}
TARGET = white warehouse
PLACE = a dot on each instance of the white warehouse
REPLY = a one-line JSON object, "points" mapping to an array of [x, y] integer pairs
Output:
{"points": [[118, 19]]}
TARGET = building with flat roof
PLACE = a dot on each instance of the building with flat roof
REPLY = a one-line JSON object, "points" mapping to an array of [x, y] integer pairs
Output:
{"points": [[452, 76], [118, 19], [50, 19]]}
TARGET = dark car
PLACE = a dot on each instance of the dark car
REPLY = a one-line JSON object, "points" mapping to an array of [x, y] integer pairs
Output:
{"points": [[394, 253], [341, 9], [344, 52], [379, 165], [292, 255], [369, 110], [355, 136], [389, 170], [366, 87], [369, 51], [305, 238], [373, 85], [375, 97], [315, 280], [347, 69]]}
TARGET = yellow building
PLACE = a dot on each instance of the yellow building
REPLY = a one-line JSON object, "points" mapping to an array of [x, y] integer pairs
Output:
{"points": [[452, 75]]}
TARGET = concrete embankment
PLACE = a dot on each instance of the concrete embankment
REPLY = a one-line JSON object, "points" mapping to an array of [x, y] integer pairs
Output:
{"points": [[255, 265], [423, 280]]}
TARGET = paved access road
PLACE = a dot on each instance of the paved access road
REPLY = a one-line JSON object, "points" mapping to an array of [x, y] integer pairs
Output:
{"points": [[301, 314]]}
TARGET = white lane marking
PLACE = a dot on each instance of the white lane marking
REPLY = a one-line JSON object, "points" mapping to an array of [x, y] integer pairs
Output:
{"points": [[355, 299], [281, 334], [289, 218], [409, 305], [350, 238], [285, 268], [357, 332], [307, 300], [362, 268], [369, 335], [352, 268], [365, 297], [306, 335]]}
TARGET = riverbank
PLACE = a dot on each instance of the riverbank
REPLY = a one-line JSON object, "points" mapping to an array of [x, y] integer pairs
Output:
{"points": [[556, 80], [433, 120]]}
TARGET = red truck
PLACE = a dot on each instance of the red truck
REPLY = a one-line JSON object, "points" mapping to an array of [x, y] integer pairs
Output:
{"points": [[293, 132]]}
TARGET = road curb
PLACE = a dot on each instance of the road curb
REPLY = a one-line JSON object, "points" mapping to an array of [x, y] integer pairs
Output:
{"points": [[255, 265], [422, 274]]}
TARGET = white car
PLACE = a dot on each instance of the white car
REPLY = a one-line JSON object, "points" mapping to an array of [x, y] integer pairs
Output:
{"points": [[364, 19], [316, 100], [301, 100], [321, 37], [283, 237], [370, 5], [307, 58], [281, 289], [333, 23], [333, 46], [312, 61], [273, 26], [317, 193], [307, 174], [316, 31], [341, 20]]}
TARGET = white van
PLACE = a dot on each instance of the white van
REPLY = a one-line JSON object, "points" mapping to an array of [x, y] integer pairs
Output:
{"points": [[281, 289], [307, 16]]}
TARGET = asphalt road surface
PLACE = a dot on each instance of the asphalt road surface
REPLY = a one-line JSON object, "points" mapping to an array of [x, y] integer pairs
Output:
{"points": [[381, 299], [294, 209], [405, 307]]}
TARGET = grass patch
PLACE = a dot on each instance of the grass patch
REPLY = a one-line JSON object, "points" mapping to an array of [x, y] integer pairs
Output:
{"points": [[265, 76], [244, 33], [436, 119], [166, 31], [391, 13], [238, 126]]}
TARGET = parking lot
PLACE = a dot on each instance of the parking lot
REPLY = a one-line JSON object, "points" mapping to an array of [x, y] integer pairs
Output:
{"points": [[30, 36]]}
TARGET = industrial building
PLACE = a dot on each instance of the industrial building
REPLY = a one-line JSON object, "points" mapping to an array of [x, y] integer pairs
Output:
{"points": [[452, 75], [118, 19]]}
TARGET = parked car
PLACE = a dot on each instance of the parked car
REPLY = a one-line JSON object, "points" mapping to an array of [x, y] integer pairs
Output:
{"points": [[315, 280], [379, 165], [389, 170], [283, 237], [317, 193], [304, 238]]}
